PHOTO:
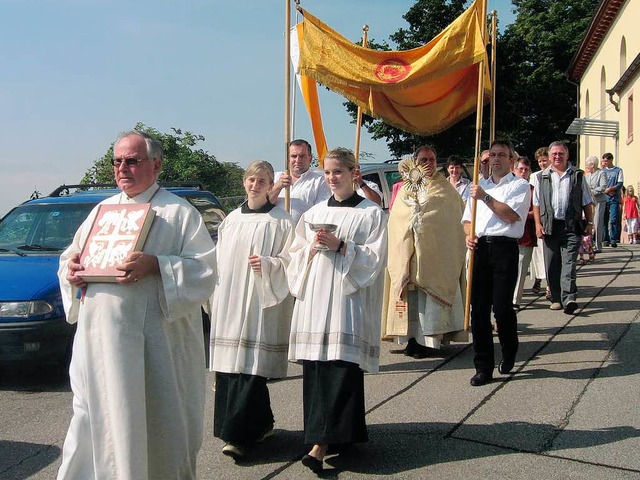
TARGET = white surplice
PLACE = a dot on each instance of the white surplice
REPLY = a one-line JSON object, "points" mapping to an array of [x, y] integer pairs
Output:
{"points": [[339, 298], [138, 366], [251, 312], [305, 193]]}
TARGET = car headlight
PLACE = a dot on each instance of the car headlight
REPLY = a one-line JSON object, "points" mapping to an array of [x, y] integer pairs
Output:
{"points": [[24, 309]]}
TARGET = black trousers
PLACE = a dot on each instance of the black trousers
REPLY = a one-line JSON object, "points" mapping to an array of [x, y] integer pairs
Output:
{"points": [[495, 273], [242, 408], [333, 397]]}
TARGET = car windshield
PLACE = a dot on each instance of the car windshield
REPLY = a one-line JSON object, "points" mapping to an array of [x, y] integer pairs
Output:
{"points": [[41, 228]]}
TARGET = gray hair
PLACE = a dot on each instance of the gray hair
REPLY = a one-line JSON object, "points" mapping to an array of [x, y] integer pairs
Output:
{"points": [[559, 144], [154, 147], [592, 160]]}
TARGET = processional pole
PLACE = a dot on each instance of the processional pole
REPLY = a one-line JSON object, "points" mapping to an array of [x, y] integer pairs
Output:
{"points": [[356, 149], [476, 167], [494, 36], [287, 98]]}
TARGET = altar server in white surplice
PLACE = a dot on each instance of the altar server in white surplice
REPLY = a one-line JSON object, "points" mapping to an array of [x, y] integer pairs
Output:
{"points": [[335, 331], [137, 371], [250, 313]]}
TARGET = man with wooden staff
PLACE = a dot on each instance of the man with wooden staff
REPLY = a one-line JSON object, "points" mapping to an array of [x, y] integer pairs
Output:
{"points": [[502, 205], [307, 187]]}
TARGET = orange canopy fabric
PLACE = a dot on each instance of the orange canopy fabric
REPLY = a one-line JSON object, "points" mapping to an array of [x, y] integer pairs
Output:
{"points": [[422, 91]]}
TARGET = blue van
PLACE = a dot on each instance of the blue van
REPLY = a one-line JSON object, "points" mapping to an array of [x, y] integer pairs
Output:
{"points": [[32, 237]]}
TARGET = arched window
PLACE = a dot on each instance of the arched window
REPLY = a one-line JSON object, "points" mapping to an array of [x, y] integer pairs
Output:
{"points": [[623, 55], [603, 103]]}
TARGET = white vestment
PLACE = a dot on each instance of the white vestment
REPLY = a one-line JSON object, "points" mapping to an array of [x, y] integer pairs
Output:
{"points": [[138, 366], [251, 312], [310, 189], [339, 297], [537, 259]]}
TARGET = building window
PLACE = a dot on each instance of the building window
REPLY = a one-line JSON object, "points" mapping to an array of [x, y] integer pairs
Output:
{"points": [[630, 118]]}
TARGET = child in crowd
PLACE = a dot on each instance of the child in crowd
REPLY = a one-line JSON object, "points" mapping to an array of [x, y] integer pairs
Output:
{"points": [[586, 248], [630, 208]]}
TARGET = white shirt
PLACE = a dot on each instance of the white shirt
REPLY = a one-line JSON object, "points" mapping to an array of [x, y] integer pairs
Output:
{"points": [[560, 190], [305, 193], [534, 179], [373, 186], [515, 192], [462, 187]]}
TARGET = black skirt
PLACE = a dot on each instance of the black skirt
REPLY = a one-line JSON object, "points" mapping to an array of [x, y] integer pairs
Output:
{"points": [[333, 396], [242, 408]]}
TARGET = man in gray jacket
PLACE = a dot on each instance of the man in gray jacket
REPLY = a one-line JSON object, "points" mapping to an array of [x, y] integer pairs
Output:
{"points": [[559, 201]]}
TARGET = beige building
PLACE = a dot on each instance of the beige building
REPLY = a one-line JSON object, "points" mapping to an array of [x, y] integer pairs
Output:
{"points": [[606, 69]]}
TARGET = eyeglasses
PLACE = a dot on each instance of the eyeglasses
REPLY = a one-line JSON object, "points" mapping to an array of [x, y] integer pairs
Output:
{"points": [[116, 162]]}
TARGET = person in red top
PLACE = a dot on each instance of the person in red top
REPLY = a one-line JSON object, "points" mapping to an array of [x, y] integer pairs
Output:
{"points": [[630, 214], [528, 239]]}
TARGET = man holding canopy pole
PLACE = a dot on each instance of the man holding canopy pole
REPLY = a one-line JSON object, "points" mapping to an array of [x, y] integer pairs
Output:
{"points": [[307, 187], [502, 205]]}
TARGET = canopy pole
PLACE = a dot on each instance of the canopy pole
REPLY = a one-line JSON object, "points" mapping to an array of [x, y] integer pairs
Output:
{"points": [[476, 170], [287, 99], [494, 36], [356, 149]]}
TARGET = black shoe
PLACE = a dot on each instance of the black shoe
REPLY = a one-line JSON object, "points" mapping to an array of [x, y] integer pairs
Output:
{"points": [[481, 378], [422, 352], [411, 348], [606, 244], [312, 463], [614, 245], [408, 350], [570, 307], [505, 367]]}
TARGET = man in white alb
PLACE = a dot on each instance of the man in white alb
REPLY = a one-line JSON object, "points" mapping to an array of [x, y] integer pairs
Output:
{"points": [[137, 370]]}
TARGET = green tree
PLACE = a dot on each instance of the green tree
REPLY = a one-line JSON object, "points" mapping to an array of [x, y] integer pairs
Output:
{"points": [[534, 102], [182, 162]]}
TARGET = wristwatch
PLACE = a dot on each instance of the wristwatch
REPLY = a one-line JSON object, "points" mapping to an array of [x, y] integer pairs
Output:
{"points": [[487, 198]]}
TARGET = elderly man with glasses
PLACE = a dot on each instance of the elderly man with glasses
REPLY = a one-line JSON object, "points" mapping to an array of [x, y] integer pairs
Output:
{"points": [[137, 370]]}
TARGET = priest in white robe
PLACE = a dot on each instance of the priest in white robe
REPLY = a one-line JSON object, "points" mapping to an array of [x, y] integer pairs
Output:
{"points": [[250, 313], [138, 366], [423, 305], [335, 332]]}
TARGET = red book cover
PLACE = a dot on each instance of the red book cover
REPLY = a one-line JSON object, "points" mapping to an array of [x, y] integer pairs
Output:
{"points": [[117, 231]]}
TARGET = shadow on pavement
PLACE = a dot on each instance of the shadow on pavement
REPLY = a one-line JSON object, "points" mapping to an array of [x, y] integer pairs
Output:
{"points": [[21, 460], [32, 379], [397, 448]]}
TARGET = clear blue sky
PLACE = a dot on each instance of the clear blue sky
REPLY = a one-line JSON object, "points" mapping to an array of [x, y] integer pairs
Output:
{"points": [[75, 73]]}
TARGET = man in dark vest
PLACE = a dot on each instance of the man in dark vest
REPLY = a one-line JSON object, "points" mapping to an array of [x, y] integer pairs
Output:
{"points": [[559, 201]]}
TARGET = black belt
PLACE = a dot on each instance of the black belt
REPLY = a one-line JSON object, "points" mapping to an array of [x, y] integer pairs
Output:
{"points": [[498, 239]]}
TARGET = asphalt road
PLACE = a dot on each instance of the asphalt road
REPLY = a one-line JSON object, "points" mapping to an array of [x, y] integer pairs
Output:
{"points": [[569, 410]]}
